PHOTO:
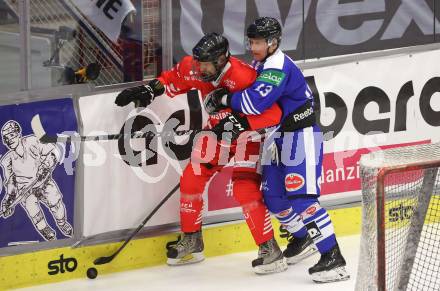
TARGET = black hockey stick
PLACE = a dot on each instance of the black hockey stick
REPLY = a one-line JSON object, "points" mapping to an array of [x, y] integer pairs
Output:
{"points": [[41, 134], [105, 260]]}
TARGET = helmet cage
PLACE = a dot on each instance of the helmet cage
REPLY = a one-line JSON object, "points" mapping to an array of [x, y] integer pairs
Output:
{"points": [[208, 77], [211, 48]]}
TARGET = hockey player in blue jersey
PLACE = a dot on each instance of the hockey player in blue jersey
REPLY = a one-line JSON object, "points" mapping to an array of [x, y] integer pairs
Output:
{"points": [[291, 177]]}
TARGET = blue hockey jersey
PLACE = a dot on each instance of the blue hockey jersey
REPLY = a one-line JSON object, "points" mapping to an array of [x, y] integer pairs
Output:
{"points": [[279, 80]]}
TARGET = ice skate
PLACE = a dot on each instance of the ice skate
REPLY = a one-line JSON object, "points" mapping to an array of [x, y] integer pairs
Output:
{"points": [[330, 267], [187, 250], [270, 259], [298, 249], [65, 228], [48, 233]]}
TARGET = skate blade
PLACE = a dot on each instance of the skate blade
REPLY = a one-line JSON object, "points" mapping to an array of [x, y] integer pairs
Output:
{"points": [[307, 252], [334, 275], [188, 259], [275, 267]]}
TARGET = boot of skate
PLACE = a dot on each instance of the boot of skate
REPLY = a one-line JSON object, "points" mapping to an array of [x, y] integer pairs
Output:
{"points": [[270, 258], [187, 250]]}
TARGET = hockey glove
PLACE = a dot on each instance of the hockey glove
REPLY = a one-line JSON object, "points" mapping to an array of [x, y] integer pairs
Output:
{"points": [[230, 127], [42, 172], [142, 95], [5, 207], [213, 101], [45, 169]]}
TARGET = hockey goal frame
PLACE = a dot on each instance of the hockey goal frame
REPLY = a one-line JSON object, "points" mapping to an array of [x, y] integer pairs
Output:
{"points": [[430, 169]]}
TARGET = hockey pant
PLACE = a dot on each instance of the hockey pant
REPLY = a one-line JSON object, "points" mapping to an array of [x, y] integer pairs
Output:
{"points": [[246, 188], [291, 187]]}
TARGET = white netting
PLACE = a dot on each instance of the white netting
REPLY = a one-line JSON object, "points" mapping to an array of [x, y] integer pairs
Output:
{"points": [[412, 220], [152, 38], [401, 156], [47, 16], [90, 45]]}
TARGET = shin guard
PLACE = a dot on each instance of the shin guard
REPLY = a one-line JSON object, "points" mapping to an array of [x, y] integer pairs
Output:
{"points": [[191, 206], [320, 227], [258, 220]]}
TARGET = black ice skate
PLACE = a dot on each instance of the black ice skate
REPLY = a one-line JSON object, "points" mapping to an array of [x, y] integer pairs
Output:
{"points": [[298, 249], [330, 268], [270, 258], [187, 250]]}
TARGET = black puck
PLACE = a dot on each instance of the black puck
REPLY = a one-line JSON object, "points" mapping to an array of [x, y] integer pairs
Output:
{"points": [[92, 273]]}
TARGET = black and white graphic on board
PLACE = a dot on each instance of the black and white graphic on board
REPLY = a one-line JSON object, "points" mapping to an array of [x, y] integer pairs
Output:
{"points": [[27, 168]]}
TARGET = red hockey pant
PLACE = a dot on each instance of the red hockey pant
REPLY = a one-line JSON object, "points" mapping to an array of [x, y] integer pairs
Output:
{"points": [[246, 188]]}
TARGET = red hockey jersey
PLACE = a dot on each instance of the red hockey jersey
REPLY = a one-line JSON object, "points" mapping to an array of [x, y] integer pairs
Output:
{"points": [[235, 76]]}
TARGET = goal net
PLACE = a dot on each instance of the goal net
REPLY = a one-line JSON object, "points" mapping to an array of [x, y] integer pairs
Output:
{"points": [[400, 242]]}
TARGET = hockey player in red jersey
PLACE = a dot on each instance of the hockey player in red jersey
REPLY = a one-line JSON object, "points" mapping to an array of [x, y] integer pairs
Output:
{"points": [[211, 67]]}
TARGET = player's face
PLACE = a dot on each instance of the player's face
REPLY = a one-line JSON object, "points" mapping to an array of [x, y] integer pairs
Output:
{"points": [[207, 69], [11, 140], [258, 47]]}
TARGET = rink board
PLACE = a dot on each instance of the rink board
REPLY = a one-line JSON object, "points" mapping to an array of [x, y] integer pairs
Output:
{"points": [[395, 108], [33, 268], [359, 112]]}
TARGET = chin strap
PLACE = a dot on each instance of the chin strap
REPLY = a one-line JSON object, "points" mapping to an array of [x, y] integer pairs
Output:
{"points": [[269, 54], [221, 73]]}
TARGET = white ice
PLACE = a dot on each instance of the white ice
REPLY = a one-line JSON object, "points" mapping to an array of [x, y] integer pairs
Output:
{"points": [[223, 273]]}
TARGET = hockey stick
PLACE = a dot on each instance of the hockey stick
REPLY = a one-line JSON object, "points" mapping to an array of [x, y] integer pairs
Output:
{"points": [[25, 193], [41, 134], [20, 196], [105, 260]]}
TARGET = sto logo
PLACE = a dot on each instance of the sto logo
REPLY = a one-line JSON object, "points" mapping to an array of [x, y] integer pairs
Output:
{"points": [[294, 182]]}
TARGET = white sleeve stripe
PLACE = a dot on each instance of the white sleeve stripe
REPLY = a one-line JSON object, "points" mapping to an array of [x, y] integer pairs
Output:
{"points": [[246, 95], [246, 103], [244, 106]]}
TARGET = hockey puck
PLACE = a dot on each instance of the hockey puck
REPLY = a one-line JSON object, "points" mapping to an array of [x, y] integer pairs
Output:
{"points": [[92, 273]]}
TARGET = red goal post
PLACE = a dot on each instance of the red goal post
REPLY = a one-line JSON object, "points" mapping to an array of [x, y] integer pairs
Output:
{"points": [[400, 241]]}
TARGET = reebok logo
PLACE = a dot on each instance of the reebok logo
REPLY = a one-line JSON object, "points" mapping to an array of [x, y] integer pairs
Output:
{"points": [[300, 116]]}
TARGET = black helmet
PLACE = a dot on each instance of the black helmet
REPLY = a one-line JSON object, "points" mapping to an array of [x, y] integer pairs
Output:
{"points": [[265, 27], [211, 47]]}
